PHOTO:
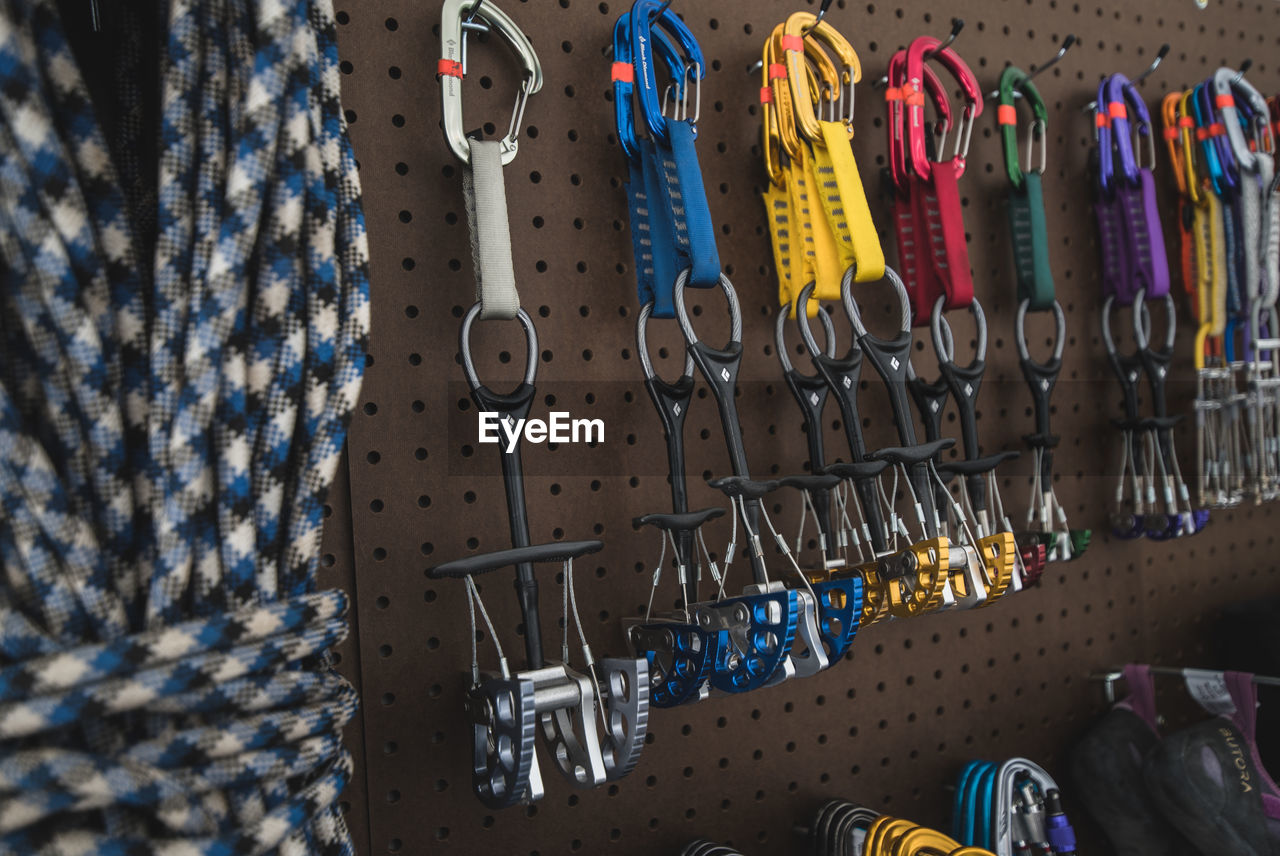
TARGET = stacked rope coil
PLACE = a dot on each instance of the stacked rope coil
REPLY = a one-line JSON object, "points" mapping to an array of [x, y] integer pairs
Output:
{"points": [[170, 421]]}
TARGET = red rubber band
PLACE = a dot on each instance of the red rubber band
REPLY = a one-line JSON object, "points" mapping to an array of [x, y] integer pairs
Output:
{"points": [[777, 71], [1101, 120], [1117, 110], [1186, 122], [1224, 101], [449, 68], [1171, 134], [624, 72], [1217, 129], [793, 43], [766, 95], [1007, 114]]}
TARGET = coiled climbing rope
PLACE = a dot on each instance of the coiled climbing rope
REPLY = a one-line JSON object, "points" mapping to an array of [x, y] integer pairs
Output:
{"points": [[174, 396]]}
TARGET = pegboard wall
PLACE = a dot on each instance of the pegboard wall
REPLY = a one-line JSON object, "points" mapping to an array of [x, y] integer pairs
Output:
{"points": [[915, 699]]}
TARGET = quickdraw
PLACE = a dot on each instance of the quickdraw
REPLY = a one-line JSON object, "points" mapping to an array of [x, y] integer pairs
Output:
{"points": [[1046, 535], [1204, 278], [816, 154], [820, 222], [927, 212], [1151, 497], [983, 554], [670, 220], [593, 722], [1237, 144]]}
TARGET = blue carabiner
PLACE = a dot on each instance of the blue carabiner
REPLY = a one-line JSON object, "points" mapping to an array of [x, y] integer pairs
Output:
{"points": [[624, 78], [1214, 153], [643, 15]]}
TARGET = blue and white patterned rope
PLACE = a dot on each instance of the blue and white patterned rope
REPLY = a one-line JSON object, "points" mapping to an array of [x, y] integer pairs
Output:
{"points": [[169, 427]]}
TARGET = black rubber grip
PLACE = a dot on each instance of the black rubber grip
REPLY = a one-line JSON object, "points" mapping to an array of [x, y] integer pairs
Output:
{"points": [[811, 482], [687, 521], [743, 486], [1160, 423], [911, 455], [985, 464], [858, 470], [1041, 441], [559, 551]]}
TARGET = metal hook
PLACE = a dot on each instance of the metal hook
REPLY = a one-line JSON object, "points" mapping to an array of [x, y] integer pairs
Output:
{"points": [[822, 13], [957, 24], [1244, 66], [470, 23], [1155, 63], [1067, 44]]}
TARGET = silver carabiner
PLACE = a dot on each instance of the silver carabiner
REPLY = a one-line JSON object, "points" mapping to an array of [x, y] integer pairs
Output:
{"points": [[692, 71], [457, 17], [1036, 131]]}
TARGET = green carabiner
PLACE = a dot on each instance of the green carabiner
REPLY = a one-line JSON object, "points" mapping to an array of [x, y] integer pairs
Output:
{"points": [[1015, 81], [1027, 224]]}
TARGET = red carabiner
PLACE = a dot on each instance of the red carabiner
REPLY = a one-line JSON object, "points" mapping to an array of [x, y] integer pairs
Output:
{"points": [[928, 218], [921, 49], [897, 97]]}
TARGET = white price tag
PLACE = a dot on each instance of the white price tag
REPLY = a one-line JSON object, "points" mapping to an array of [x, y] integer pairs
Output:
{"points": [[1209, 689]]}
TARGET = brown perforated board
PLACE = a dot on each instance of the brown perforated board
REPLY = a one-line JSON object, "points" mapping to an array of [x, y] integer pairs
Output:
{"points": [[916, 699]]}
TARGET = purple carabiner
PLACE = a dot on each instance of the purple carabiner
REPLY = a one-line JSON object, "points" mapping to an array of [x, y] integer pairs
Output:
{"points": [[1102, 133], [1121, 96]]}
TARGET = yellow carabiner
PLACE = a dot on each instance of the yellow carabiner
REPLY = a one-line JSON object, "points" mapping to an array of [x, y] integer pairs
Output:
{"points": [[923, 841], [800, 25], [770, 144], [883, 834], [810, 60]]}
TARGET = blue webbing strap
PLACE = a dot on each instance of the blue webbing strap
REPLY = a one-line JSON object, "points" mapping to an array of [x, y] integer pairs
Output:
{"points": [[685, 193], [664, 246], [641, 236]]}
